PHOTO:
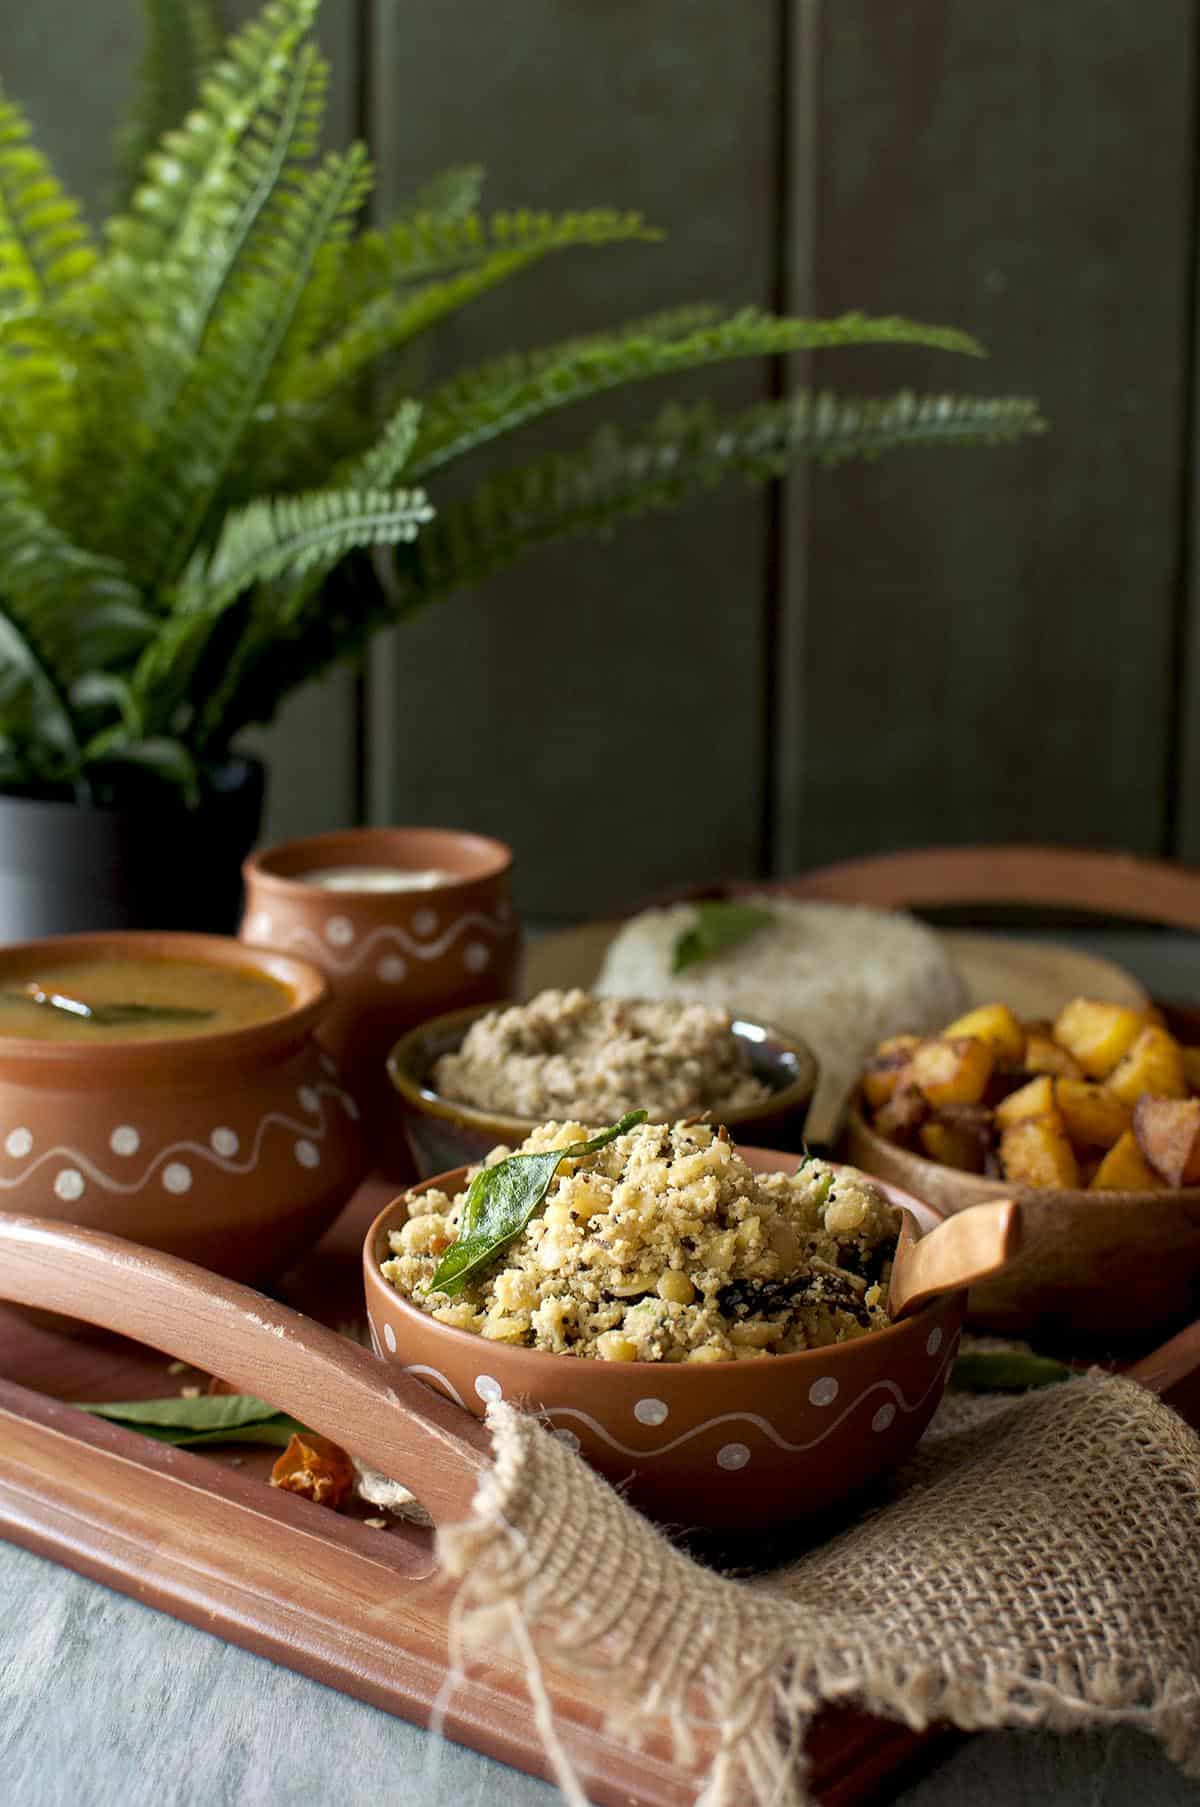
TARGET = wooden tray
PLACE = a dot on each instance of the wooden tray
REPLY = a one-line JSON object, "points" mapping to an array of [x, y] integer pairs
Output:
{"points": [[358, 1608]]}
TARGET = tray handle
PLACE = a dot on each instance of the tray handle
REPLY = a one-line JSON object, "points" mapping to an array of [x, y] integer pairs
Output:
{"points": [[386, 1417]]}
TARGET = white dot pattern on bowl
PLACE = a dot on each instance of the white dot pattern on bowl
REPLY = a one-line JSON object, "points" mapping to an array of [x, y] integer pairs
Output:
{"points": [[933, 1341], [651, 1411], [476, 956], [883, 1418], [488, 1388], [350, 1107], [18, 1143], [732, 1456], [339, 931], [389, 1337], [224, 1141], [309, 1099], [125, 1139], [425, 921], [823, 1391], [328, 1062], [392, 969], [68, 1183], [177, 1177], [307, 1153]]}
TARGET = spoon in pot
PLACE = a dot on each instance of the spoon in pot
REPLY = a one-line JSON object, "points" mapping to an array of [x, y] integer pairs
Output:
{"points": [[963, 1249]]}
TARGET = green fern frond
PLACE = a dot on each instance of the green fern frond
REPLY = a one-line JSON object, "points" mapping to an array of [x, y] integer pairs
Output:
{"points": [[482, 253], [479, 405], [181, 43], [450, 196], [184, 191], [619, 475], [44, 246], [184, 474], [382, 463]]}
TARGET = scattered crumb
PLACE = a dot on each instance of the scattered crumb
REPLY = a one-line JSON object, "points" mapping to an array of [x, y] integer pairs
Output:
{"points": [[236, 1461], [189, 1392], [178, 1368], [376, 1524]]}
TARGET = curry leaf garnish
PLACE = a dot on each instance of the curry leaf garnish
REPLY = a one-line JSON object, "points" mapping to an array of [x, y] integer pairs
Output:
{"points": [[501, 1201], [1005, 1371], [719, 924], [212, 1418]]}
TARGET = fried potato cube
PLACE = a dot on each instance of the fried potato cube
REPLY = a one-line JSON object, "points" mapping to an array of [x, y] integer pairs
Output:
{"points": [[952, 1070], [1097, 1034], [952, 1146], [1153, 1064], [1124, 1169], [1093, 1116], [1043, 1055], [1167, 1130], [1034, 1099], [902, 1116], [1035, 1152], [1191, 1067], [885, 1071], [994, 1024]]}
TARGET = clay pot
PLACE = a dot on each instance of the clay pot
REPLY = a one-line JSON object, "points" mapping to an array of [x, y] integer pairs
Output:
{"points": [[235, 1149], [1096, 1269], [441, 1132], [728, 1446], [391, 958]]}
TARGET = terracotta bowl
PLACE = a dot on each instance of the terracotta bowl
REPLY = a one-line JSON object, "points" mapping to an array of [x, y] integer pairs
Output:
{"points": [[235, 1149], [1102, 1268], [724, 1445], [391, 958], [443, 1133]]}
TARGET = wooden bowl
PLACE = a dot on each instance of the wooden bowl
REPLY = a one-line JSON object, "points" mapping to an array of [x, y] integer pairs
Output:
{"points": [[392, 958], [728, 1446], [443, 1133], [1102, 1268], [235, 1149]]}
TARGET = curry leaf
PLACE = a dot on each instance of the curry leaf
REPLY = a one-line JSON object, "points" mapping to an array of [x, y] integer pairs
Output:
{"points": [[501, 1201], [212, 1418], [718, 925], [1005, 1371]]}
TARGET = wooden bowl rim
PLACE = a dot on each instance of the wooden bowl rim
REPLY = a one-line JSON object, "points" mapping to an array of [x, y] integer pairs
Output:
{"points": [[452, 1181], [280, 870], [981, 1188], [505, 1128]]}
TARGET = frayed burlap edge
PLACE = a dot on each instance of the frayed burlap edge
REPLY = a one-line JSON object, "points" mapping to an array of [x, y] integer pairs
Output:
{"points": [[554, 1568]]}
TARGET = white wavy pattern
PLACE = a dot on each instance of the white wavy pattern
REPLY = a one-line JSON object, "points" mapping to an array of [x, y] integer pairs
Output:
{"points": [[550, 1413], [302, 938], [314, 1130], [436, 1374]]}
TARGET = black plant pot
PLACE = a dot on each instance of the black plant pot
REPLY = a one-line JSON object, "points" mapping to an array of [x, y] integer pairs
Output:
{"points": [[148, 863]]}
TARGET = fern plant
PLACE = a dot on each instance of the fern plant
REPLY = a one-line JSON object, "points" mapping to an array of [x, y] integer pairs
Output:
{"points": [[203, 410]]}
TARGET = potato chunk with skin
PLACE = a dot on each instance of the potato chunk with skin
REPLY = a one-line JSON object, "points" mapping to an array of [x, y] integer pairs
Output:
{"points": [[1097, 1034], [1035, 1152], [994, 1024], [1191, 1067], [1043, 1055], [887, 1069], [1124, 1169], [1167, 1131], [902, 1115], [952, 1071], [1036, 1099], [951, 1146], [1092, 1114], [1153, 1064]]}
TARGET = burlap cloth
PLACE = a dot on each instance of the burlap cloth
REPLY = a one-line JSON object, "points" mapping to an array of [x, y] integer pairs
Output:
{"points": [[1037, 1564]]}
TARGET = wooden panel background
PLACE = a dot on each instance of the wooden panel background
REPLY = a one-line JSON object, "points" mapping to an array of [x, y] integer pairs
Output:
{"points": [[943, 646]]}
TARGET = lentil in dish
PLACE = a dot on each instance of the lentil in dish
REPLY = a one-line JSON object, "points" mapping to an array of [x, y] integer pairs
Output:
{"points": [[665, 1246]]}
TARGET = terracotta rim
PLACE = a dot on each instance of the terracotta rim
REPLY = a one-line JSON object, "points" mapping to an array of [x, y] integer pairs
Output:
{"points": [[311, 999], [452, 1181], [433, 1104], [470, 857], [980, 1187]]}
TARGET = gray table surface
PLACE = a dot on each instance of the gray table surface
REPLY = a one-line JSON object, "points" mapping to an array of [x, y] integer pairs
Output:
{"points": [[105, 1703]]}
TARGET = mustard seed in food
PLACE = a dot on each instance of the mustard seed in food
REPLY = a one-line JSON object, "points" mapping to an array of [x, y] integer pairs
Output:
{"points": [[568, 1054], [665, 1246]]}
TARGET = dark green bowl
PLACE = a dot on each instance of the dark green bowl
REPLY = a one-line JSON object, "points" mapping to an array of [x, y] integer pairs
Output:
{"points": [[442, 1133]]}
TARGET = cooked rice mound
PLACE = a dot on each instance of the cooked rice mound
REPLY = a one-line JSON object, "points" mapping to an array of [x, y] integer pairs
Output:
{"points": [[666, 1246], [839, 976]]}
